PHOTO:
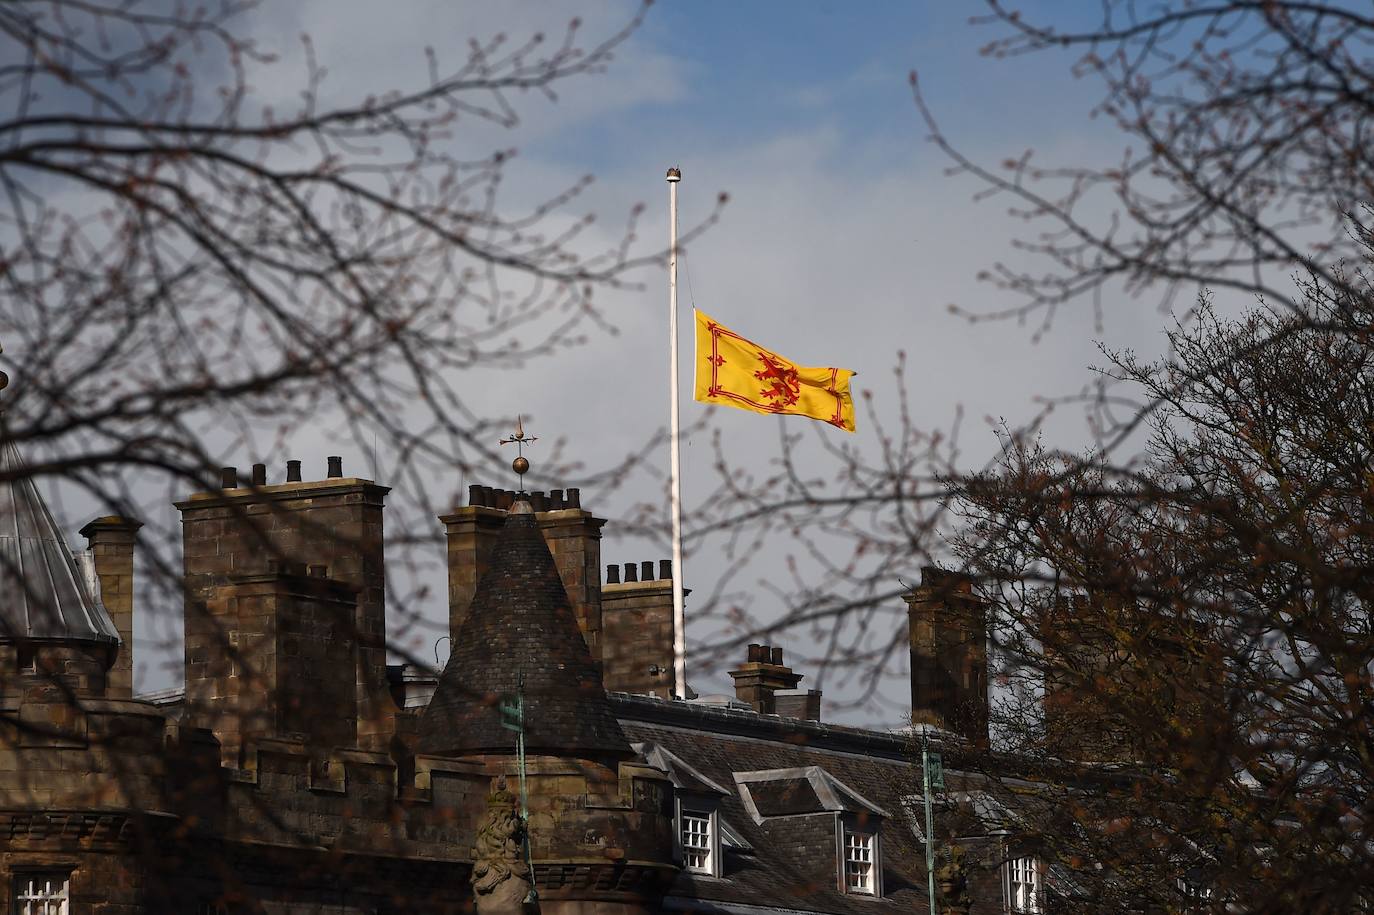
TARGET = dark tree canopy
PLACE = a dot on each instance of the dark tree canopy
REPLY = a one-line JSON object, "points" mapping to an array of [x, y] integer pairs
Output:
{"points": [[183, 262], [1203, 615]]}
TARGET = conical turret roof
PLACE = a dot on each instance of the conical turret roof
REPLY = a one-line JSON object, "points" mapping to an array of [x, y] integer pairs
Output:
{"points": [[521, 623], [43, 595]]}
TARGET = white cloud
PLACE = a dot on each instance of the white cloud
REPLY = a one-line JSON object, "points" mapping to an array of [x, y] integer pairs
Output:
{"points": [[835, 249]]}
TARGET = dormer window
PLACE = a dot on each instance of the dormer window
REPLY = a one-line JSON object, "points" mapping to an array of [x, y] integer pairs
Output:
{"points": [[698, 835], [699, 830], [1022, 880], [811, 792], [860, 853]]}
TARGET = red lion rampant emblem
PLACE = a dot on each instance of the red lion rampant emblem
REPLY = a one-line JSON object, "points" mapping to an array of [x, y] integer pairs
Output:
{"points": [[783, 386]]}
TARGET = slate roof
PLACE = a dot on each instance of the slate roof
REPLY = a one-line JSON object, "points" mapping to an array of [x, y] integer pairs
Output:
{"points": [[785, 797], [790, 864], [680, 772], [521, 622], [43, 594]]}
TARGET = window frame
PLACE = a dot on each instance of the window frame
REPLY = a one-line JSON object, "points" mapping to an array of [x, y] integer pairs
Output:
{"points": [[701, 807], [21, 888], [870, 831], [1023, 864]]}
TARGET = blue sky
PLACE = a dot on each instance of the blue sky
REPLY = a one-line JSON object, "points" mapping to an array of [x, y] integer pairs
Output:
{"points": [[754, 70], [844, 242]]}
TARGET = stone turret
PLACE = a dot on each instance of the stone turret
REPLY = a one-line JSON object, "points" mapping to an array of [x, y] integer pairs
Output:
{"points": [[55, 636], [599, 828], [72, 750], [521, 624]]}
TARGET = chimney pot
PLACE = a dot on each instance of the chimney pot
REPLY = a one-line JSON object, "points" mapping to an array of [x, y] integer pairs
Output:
{"points": [[293, 471], [612, 574], [488, 496], [475, 494], [504, 499], [335, 466], [665, 569], [539, 501], [574, 498], [555, 498], [229, 478], [761, 677], [646, 570], [631, 572], [259, 474]]}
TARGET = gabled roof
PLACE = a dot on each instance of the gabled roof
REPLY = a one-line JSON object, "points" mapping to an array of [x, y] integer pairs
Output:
{"points": [[683, 776], [43, 594], [966, 810], [799, 791], [792, 866], [521, 623]]}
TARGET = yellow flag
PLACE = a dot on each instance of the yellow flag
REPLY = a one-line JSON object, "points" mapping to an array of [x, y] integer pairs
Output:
{"points": [[735, 372]]}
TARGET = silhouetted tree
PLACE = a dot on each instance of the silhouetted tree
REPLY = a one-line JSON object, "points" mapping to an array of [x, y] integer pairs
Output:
{"points": [[1245, 126], [1202, 617], [183, 261]]}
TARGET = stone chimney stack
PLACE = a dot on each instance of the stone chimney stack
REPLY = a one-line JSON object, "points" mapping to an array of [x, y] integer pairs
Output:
{"points": [[336, 523], [637, 615], [573, 536], [949, 657], [762, 676], [798, 703], [111, 541], [1102, 653], [289, 671]]}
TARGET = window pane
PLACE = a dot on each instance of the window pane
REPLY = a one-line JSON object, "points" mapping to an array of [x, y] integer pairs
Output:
{"points": [[1023, 885], [858, 862], [696, 840], [40, 894]]}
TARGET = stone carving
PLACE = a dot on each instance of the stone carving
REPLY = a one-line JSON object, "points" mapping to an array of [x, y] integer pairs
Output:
{"points": [[500, 876], [953, 880]]}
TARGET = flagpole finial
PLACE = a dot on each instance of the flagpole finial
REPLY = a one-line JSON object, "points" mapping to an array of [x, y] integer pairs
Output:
{"points": [[674, 174]]}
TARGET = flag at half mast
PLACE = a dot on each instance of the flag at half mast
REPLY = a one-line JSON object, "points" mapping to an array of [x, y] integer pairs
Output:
{"points": [[736, 372]]}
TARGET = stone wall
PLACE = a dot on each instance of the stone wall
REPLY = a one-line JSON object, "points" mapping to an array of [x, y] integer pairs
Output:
{"points": [[287, 668]]}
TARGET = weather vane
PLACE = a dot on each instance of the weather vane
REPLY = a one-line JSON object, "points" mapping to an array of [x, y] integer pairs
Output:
{"points": [[521, 464]]}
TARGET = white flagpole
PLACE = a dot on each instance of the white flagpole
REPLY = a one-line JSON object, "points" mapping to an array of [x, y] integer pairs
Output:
{"points": [[675, 460]]}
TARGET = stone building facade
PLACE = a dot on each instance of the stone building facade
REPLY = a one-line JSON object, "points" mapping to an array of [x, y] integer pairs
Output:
{"points": [[298, 773]]}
